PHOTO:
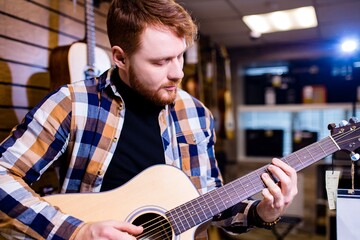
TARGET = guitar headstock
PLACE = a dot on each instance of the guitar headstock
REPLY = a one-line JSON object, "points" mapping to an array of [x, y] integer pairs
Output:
{"points": [[347, 136]]}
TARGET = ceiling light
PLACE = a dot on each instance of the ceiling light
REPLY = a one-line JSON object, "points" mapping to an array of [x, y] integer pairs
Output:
{"points": [[280, 20], [305, 17], [297, 18], [349, 46], [257, 23]]}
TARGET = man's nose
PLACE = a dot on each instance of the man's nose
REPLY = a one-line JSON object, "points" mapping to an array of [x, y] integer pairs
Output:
{"points": [[176, 69]]}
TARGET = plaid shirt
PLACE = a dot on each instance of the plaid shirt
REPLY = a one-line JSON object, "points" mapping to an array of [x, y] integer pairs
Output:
{"points": [[84, 121]]}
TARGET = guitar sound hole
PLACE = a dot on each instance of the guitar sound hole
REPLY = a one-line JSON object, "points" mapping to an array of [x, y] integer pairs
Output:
{"points": [[156, 227]]}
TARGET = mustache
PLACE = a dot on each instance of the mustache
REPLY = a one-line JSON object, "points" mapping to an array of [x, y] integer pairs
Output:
{"points": [[173, 83]]}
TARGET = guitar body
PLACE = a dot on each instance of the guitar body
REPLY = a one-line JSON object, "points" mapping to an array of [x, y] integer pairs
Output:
{"points": [[152, 192], [77, 61], [69, 63]]}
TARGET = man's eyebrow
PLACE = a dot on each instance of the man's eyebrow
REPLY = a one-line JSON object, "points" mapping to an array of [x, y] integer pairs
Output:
{"points": [[165, 57], [160, 58]]}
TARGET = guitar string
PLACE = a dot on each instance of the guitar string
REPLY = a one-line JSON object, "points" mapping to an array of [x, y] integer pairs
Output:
{"points": [[164, 222], [168, 228], [164, 231], [350, 132]]}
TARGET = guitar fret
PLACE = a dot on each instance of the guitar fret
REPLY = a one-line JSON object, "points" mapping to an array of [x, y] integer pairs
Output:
{"points": [[246, 185], [306, 148], [243, 187], [324, 153], [252, 184], [194, 212], [257, 182], [285, 160], [225, 199], [235, 191], [299, 158], [188, 216], [202, 207], [216, 197], [178, 229], [315, 154], [233, 196], [207, 207]]}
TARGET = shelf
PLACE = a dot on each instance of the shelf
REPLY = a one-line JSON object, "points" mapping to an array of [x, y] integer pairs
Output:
{"points": [[289, 118], [294, 107]]}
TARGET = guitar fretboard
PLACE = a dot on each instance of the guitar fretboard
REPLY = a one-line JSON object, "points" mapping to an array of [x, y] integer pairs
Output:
{"points": [[90, 33], [206, 206]]}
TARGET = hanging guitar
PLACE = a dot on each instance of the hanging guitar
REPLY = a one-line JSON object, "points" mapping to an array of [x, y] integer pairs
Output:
{"points": [[163, 200], [80, 60], [229, 119]]}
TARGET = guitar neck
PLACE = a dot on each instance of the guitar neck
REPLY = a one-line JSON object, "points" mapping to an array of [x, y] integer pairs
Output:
{"points": [[90, 33], [212, 203]]}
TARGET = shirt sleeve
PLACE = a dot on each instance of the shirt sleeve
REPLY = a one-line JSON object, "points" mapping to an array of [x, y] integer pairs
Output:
{"points": [[30, 149], [237, 219]]}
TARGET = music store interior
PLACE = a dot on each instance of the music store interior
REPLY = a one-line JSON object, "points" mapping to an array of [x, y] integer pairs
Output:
{"points": [[278, 75]]}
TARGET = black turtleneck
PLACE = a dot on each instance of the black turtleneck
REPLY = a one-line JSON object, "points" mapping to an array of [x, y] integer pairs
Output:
{"points": [[140, 144]]}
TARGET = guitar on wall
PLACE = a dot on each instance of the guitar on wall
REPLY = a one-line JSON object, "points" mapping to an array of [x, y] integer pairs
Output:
{"points": [[229, 119], [152, 199], [80, 60]]}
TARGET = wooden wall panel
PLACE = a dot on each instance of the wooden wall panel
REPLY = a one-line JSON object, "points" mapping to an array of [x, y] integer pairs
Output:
{"points": [[21, 97], [41, 36], [26, 10], [24, 53], [29, 30], [14, 29], [9, 118], [36, 20], [66, 7], [18, 74]]}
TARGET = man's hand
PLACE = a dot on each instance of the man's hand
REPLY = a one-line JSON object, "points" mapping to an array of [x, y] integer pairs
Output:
{"points": [[277, 196], [108, 230]]}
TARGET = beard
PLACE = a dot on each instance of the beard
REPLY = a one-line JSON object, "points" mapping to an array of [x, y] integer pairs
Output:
{"points": [[157, 96]]}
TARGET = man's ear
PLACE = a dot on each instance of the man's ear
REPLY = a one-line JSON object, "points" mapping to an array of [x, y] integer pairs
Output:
{"points": [[119, 57]]}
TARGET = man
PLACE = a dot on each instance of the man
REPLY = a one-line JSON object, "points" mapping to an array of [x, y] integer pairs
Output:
{"points": [[112, 127]]}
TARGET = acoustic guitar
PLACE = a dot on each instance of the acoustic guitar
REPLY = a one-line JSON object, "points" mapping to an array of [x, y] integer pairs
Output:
{"points": [[164, 201], [229, 119], [80, 60]]}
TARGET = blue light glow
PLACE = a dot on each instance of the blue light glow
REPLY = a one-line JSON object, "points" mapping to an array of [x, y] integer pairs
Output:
{"points": [[349, 46]]}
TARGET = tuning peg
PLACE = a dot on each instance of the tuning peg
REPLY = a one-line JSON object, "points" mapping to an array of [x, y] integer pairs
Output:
{"points": [[343, 123], [353, 120], [354, 156], [331, 126]]}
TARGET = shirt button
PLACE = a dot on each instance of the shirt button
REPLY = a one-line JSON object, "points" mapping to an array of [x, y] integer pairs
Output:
{"points": [[115, 139], [100, 172]]}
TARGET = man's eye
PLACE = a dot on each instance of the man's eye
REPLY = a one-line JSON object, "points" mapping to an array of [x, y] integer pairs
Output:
{"points": [[162, 62]]}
